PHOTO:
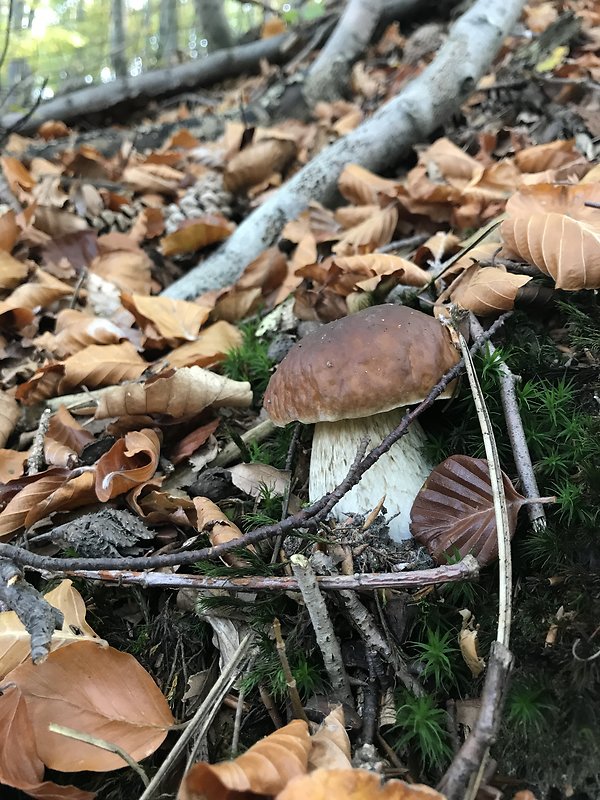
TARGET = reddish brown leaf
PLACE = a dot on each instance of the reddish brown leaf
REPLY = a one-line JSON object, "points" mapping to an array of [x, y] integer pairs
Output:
{"points": [[164, 317], [103, 365], [454, 511], [9, 414], [12, 464], [210, 347], [73, 493], [257, 162], [28, 497], [130, 461], [196, 234], [65, 439], [190, 443], [354, 784]]}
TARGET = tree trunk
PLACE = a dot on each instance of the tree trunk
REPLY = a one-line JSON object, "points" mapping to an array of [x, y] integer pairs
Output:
{"points": [[16, 19], [117, 38], [167, 31], [212, 24], [377, 144], [329, 74]]}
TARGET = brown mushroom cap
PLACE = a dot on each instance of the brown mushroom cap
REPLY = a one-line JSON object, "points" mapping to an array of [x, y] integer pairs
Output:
{"points": [[369, 362]]}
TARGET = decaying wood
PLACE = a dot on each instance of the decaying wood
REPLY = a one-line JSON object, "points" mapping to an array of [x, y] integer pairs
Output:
{"points": [[377, 144]]}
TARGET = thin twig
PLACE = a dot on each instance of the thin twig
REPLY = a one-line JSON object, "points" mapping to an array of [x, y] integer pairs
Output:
{"points": [[297, 708], [239, 710], [516, 432], [36, 460], [103, 745], [203, 717]]}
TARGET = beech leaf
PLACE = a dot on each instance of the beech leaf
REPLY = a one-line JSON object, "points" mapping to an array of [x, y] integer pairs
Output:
{"points": [[454, 511], [354, 784], [130, 461]]}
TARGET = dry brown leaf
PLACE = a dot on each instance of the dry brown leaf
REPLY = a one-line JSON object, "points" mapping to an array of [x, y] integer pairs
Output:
{"points": [[330, 744], [15, 641], [103, 365], [172, 320], [487, 290], [350, 216], [130, 461], [129, 270], [75, 330], [12, 464], [257, 162], [152, 178], [73, 493], [264, 769], [9, 416], [212, 521], [272, 26], [254, 478], [20, 764], [370, 234], [352, 784], [65, 439], [12, 271], [210, 347], [148, 225], [57, 222], [190, 443], [181, 393], [376, 265], [444, 160], [541, 157], [45, 383], [197, 233], [98, 691], [28, 495], [467, 640], [17, 176], [9, 231], [157, 507], [53, 129], [362, 187], [235, 304], [454, 511], [40, 292]]}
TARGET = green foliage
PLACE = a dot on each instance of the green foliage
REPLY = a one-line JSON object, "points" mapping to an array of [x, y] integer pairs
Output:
{"points": [[584, 326], [435, 655], [267, 670], [421, 725], [267, 511], [250, 361], [528, 707]]}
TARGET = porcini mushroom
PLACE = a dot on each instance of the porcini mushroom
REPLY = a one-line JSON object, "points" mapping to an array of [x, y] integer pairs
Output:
{"points": [[353, 378]]}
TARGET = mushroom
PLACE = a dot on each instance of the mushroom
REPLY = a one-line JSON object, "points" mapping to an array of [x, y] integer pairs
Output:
{"points": [[353, 379]]}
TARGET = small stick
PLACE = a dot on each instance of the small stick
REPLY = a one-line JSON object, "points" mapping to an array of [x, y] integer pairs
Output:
{"points": [[270, 706], [516, 433], [35, 460], [369, 715], [323, 627], [297, 707], [239, 710], [103, 745]]}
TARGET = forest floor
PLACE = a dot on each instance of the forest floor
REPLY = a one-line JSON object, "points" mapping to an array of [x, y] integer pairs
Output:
{"points": [[142, 482]]}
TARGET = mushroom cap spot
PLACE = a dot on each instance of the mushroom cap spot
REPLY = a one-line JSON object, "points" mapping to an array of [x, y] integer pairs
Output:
{"points": [[369, 362]]}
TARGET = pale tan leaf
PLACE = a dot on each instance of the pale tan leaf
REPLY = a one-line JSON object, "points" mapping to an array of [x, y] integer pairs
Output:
{"points": [[103, 365], [264, 769], [546, 198], [12, 464], [54, 221], [362, 187], [130, 461], [541, 157], [15, 641], [196, 234], [467, 640], [352, 784], [76, 330], [173, 320], [9, 230], [257, 162], [40, 292], [383, 264], [210, 347], [330, 744], [370, 234], [488, 290], [12, 271], [212, 521], [180, 393], [255, 478], [450, 163], [98, 691], [32, 492], [9, 416], [350, 216], [16, 174], [129, 270], [152, 178]]}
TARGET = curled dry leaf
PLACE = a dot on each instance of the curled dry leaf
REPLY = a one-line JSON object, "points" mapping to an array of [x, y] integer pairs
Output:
{"points": [[45, 383], [218, 526], [16, 174], [73, 493], [180, 393], [454, 511], [330, 744], [152, 178], [467, 640], [376, 265], [197, 233], [264, 769], [209, 348], [257, 162], [102, 365], [354, 784], [487, 290], [98, 691], [130, 461], [65, 439], [28, 493], [362, 187], [551, 155], [15, 641], [12, 271], [173, 320], [9, 415]]}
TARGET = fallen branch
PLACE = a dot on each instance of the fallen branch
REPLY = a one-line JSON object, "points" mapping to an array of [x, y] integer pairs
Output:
{"points": [[37, 615], [308, 518], [411, 116]]}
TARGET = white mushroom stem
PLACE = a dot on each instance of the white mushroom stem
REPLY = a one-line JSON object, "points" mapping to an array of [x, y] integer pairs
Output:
{"points": [[398, 474]]}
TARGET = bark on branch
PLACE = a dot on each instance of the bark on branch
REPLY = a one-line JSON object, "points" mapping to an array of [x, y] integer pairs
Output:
{"points": [[376, 144]]}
